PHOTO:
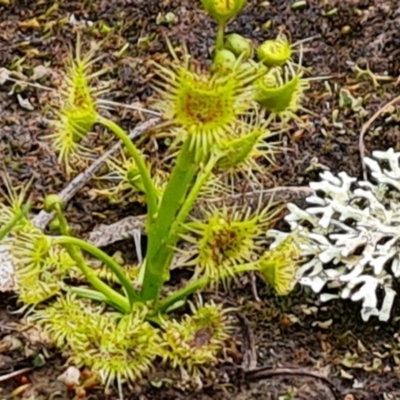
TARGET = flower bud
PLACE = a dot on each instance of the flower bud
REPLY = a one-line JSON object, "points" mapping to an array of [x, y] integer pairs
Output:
{"points": [[51, 201], [239, 45], [79, 121], [224, 60], [223, 10], [275, 52]]}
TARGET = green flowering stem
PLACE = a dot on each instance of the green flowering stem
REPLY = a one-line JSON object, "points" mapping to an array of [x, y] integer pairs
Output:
{"points": [[151, 195], [219, 44], [70, 245], [194, 193], [181, 294], [121, 301], [161, 239], [14, 221], [62, 221], [198, 284], [106, 259], [116, 298]]}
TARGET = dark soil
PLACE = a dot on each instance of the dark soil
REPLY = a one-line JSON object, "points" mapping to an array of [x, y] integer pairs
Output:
{"points": [[361, 359]]}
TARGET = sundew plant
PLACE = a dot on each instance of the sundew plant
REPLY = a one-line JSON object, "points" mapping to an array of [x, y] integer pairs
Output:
{"points": [[218, 119]]}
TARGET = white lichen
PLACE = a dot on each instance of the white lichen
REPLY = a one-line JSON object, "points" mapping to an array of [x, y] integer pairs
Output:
{"points": [[349, 236], [7, 274]]}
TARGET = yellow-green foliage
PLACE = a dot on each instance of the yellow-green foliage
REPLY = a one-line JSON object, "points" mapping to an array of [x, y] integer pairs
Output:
{"points": [[276, 52], [202, 104], [220, 120], [194, 342], [223, 10], [278, 266], [226, 238], [77, 110], [115, 347]]}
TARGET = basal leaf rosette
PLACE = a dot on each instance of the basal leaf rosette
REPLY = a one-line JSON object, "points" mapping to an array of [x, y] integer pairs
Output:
{"points": [[40, 267], [225, 239], [67, 320], [76, 113], [115, 348], [194, 342], [37, 267], [200, 104], [124, 350]]}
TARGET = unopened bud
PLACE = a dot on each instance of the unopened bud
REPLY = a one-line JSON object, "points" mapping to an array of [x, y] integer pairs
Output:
{"points": [[223, 10], [239, 45], [224, 60], [275, 53], [51, 201]]}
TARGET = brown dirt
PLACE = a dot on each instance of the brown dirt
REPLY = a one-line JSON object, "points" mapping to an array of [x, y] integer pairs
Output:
{"points": [[360, 358]]}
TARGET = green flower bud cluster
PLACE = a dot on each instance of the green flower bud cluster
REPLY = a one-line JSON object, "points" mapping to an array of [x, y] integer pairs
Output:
{"points": [[279, 87], [223, 10]]}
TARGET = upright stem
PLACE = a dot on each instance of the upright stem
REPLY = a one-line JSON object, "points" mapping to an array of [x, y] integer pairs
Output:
{"points": [[181, 294], [151, 196], [74, 252], [106, 259], [114, 297], [161, 238], [219, 44], [198, 284], [194, 193]]}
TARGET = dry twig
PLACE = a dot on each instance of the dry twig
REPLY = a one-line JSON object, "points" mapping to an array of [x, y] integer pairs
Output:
{"points": [[7, 276], [249, 362], [43, 218], [267, 372], [5, 377], [104, 235], [278, 193], [253, 286], [108, 234]]}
